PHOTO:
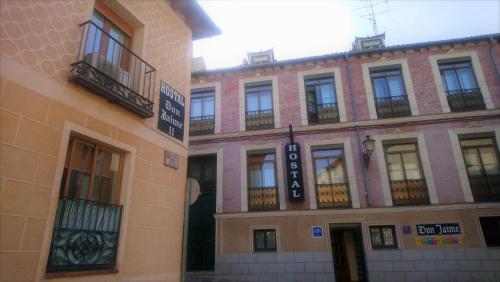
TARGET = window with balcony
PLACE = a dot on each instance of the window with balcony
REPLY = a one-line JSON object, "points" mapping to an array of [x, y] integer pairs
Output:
{"points": [[383, 237], [106, 65], [408, 186], [389, 93], [259, 107], [332, 187], [483, 169], [321, 99], [462, 91], [88, 215], [202, 120], [264, 240], [262, 182]]}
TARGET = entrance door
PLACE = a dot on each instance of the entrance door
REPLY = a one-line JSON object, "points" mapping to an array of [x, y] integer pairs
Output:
{"points": [[348, 254], [201, 226]]}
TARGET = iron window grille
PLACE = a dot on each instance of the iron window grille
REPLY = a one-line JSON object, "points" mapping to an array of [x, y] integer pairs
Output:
{"points": [[321, 99], [383, 237], [481, 160], [109, 68], [332, 187], [264, 240], [202, 120], [390, 96], [460, 84], [407, 184], [259, 112]]}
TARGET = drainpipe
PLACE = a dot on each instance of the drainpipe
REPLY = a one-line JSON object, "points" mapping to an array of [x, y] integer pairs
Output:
{"points": [[492, 58], [358, 138]]}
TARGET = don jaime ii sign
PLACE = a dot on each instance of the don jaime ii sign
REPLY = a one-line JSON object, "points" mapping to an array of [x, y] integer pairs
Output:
{"points": [[171, 111]]}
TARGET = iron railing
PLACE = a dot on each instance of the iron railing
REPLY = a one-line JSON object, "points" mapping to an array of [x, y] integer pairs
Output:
{"points": [[394, 106], [201, 125], [107, 67], [333, 195], [263, 119], [465, 100], [409, 192], [85, 236], [485, 188], [323, 113], [263, 198]]}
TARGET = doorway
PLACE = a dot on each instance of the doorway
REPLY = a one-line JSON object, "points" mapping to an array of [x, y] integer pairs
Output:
{"points": [[201, 225], [348, 253]]}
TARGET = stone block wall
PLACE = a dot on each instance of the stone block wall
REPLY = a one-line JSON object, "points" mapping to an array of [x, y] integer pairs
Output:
{"points": [[284, 266], [457, 264]]}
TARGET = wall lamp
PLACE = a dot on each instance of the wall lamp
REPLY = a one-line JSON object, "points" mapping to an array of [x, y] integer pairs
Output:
{"points": [[369, 145]]}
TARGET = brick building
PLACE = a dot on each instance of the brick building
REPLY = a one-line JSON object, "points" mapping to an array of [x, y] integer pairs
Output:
{"points": [[84, 189], [399, 157]]}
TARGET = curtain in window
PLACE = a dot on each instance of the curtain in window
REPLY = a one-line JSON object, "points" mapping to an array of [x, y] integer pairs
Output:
{"points": [[466, 78], [396, 86], [380, 86]]}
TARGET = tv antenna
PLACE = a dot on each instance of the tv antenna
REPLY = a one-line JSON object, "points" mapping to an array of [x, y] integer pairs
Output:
{"points": [[371, 14]]}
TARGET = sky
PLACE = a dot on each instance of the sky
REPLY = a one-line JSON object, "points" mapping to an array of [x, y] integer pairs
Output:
{"points": [[301, 28]]}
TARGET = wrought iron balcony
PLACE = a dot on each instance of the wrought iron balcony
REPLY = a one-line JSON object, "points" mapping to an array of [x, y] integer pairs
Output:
{"points": [[465, 100], [394, 106], [333, 195], [409, 192], [201, 125], [108, 68], [263, 198], [263, 119], [485, 188], [322, 113], [85, 236]]}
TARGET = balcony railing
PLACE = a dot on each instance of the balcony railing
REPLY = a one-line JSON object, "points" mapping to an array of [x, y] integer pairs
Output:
{"points": [[201, 125], [323, 113], [333, 195], [85, 236], [485, 188], [394, 106], [409, 192], [263, 119], [107, 67], [465, 100], [263, 198]]}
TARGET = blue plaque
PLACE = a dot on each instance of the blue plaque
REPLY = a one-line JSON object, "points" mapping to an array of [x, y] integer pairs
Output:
{"points": [[317, 231]]}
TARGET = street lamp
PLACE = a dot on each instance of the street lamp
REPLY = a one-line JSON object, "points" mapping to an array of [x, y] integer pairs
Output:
{"points": [[369, 145]]}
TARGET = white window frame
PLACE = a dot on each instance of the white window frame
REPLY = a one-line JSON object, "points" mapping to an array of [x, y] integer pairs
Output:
{"points": [[273, 79], [424, 159], [279, 173], [459, 158], [476, 68], [310, 145], [406, 76], [217, 106], [327, 72]]}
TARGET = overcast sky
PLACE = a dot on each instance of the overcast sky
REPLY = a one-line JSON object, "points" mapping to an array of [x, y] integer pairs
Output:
{"points": [[300, 28]]}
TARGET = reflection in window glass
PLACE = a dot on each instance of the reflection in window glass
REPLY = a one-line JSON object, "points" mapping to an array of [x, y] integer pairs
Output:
{"points": [[262, 170], [403, 162]]}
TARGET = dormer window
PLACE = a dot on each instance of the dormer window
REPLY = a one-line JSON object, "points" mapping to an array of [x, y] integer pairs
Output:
{"points": [[370, 42], [261, 58]]}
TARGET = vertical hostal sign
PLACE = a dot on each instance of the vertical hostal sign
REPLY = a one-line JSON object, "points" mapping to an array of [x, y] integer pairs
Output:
{"points": [[294, 172], [171, 111]]}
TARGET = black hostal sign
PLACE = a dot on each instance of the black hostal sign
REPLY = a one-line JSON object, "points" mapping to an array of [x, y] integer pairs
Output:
{"points": [[171, 111], [294, 172]]}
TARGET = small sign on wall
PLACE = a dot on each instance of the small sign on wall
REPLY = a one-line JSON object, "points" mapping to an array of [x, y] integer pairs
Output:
{"points": [[438, 229], [171, 159], [317, 231], [171, 111]]}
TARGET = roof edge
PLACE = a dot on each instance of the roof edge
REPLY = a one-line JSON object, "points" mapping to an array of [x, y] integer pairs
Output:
{"points": [[202, 26]]}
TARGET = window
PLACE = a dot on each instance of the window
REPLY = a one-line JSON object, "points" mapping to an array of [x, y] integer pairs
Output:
{"points": [[383, 237], [259, 106], [321, 100], [491, 228], [264, 240], [405, 174], [262, 187], [88, 215], [390, 96], [460, 86], [483, 169], [332, 188], [202, 120]]}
